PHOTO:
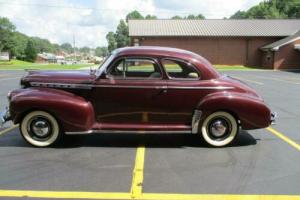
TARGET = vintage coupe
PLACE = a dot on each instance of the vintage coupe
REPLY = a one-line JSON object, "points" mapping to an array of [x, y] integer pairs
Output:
{"points": [[136, 89]]}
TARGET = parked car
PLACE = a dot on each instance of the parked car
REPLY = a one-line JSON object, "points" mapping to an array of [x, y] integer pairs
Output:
{"points": [[137, 89]]}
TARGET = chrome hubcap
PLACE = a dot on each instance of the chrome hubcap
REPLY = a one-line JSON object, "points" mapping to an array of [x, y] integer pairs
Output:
{"points": [[218, 128], [40, 128]]}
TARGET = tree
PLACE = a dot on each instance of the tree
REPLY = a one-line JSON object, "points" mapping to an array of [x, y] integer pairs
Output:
{"points": [[43, 45], [111, 40], [271, 9], [122, 34], [20, 43], [134, 15], [67, 47], [150, 17], [200, 16], [101, 51], [6, 33], [176, 17], [30, 51], [85, 50], [239, 15]]}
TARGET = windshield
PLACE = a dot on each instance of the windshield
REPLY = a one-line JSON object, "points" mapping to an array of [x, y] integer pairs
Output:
{"points": [[104, 64]]}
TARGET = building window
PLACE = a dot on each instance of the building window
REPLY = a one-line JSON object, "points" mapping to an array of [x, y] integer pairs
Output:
{"points": [[136, 42]]}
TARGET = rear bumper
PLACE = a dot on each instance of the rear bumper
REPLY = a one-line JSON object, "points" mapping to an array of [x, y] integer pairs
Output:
{"points": [[273, 117], [4, 116]]}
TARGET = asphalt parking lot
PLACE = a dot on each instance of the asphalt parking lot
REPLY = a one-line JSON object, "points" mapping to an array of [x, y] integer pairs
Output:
{"points": [[260, 164]]}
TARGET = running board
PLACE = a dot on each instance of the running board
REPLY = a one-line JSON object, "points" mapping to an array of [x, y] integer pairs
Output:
{"points": [[127, 131]]}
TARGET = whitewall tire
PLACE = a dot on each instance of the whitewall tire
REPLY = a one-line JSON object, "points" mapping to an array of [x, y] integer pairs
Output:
{"points": [[40, 129], [219, 129]]}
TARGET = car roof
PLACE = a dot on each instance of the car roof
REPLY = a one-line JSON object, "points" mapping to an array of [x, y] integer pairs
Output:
{"points": [[156, 51], [168, 52]]}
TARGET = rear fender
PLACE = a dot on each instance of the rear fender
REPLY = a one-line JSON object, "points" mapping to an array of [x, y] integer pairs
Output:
{"points": [[73, 112], [251, 111]]}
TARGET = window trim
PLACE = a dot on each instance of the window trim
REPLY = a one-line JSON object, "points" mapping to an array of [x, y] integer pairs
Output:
{"points": [[184, 61], [152, 60]]}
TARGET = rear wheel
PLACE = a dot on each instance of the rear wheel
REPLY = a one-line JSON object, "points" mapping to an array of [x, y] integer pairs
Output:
{"points": [[219, 129], [40, 129]]}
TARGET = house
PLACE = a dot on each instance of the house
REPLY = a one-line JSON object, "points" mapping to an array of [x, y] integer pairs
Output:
{"points": [[45, 58], [50, 58], [4, 56], [265, 43]]}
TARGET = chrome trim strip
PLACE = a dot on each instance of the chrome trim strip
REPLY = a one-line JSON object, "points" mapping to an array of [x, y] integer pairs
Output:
{"points": [[122, 131], [130, 86], [201, 87], [89, 86], [195, 121], [62, 85]]}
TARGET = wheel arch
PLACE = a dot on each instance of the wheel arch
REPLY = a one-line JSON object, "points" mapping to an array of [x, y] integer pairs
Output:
{"points": [[72, 112]]}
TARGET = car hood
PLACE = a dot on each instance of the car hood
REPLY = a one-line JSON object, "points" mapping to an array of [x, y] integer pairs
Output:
{"points": [[74, 76]]}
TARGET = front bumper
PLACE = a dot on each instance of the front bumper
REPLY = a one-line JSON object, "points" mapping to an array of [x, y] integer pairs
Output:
{"points": [[273, 117], [4, 116]]}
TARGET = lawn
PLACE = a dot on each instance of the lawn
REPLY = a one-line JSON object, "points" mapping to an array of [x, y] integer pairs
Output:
{"points": [[234, 67], [21, 65]]}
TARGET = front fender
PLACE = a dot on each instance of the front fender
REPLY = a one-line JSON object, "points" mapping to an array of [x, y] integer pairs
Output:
{"points": [[73, 112], [250, 110]]}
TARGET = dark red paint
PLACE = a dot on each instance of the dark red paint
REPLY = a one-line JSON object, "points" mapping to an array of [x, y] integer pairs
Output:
{"points": [[160, 104]]}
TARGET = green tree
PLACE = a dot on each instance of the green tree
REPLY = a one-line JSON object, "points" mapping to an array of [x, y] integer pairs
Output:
{"points": [[30, 51], [200, 16], [6, 35], [150, 17], [84, 50], [111, 40], [239, 15], [271, 9], [43, 45], [122, 34], [67, 47], [134, 15], [20, 43], [101, 51], [176, 17]]}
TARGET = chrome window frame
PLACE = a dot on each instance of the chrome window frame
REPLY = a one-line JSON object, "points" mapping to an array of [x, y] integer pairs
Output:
{"points": [[151, 59], [183, 61]]}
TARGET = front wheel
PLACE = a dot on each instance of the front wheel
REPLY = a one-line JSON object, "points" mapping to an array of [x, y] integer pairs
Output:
{"points": [[40, 129], [219, 129]]}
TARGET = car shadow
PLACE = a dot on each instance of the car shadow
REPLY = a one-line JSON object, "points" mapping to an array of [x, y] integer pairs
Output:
{"points": [[130, 141], [148, 140]]}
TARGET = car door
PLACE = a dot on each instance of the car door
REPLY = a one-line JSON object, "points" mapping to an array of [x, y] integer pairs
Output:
{"points": [[185, 89], [133, 91]]}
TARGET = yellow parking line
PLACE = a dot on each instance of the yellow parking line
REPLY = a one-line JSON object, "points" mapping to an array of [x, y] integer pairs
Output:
{"points": [[63, 195], [144, 196], [8, 129], [159, 196], [283, 137], [138, 173]]}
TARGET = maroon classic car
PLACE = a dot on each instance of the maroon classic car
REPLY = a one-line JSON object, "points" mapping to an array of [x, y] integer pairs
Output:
{"points": [[136, 89]]}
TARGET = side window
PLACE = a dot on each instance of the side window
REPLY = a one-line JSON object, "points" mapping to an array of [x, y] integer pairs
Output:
{"points": [[135, 68], [180, 69]]}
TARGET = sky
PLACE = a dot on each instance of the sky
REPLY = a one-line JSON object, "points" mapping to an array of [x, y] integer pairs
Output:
{"points": [[90, 20]]}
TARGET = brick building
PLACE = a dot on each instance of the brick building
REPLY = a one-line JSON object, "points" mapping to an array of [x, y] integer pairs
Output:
{"points": [[273, 44]]}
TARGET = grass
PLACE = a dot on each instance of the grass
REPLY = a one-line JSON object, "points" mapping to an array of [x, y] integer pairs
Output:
{"points": [[21, 65], [234, 67]]}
